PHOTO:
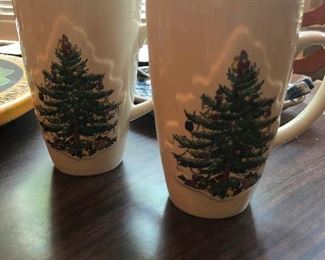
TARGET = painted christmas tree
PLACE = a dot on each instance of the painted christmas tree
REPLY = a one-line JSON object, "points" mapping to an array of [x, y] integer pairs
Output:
{"points": [[75, 110], [229, 137]]}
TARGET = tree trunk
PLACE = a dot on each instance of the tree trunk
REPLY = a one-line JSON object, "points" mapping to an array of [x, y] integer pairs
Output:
{"points": [[76, 135], [226, 173]]}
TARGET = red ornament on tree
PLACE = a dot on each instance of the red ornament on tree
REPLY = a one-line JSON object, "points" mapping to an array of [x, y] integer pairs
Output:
{"points": [[215, 116]]}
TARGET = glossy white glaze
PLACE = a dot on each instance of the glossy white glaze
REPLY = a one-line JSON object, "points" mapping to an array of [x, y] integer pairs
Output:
{"points": [[109, 34], [191, 46]]}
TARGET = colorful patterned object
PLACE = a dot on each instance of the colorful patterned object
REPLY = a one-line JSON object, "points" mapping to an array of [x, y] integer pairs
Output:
{"points": [[15, 97], [297, 92], [299, 89], [143, 85]]}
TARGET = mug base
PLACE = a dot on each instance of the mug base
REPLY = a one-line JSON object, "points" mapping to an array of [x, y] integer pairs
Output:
{"points": [[222, 215], [100, 163], [87, 173], [199, 205]]}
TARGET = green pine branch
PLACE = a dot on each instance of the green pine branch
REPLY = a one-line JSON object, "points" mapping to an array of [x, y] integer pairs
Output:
{"points": [[96, 128], [208, 134], [52, 94], [185, 142], [251, 74], [210, 153], [47, 111], [107, 107], [251, 89], [250, 164], [205, 121], [48, 127], [224, 90], [96, 95], [191, 162], [55, 103], [208, 101]]}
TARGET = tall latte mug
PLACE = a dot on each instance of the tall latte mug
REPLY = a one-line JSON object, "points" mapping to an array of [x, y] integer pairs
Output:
{"points": [[219, 71], [81, 61]]}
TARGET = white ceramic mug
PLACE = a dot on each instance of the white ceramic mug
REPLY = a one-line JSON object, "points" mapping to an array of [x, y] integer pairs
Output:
{"points": [[219, 72], [81, 61]]}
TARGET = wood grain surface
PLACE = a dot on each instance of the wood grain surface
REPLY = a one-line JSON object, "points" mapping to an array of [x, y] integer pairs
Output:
{"points": [[126, 214]]}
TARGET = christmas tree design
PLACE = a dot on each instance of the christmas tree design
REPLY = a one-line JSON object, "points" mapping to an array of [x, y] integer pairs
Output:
{"points": [[76, 115], [229, 138]]}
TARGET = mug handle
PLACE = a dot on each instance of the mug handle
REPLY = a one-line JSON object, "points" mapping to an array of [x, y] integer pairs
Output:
{"points": [[316, 107], [145, 107]]}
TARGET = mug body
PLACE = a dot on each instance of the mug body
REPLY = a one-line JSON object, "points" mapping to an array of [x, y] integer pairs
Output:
{"points": [[81, 60], [219, 73]]}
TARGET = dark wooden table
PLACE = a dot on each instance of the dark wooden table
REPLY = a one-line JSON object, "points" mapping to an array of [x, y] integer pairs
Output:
{"points": [[126, 214]]}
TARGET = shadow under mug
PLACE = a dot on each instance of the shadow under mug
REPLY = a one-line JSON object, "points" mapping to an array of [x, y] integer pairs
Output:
{"points": [[222, 68]]}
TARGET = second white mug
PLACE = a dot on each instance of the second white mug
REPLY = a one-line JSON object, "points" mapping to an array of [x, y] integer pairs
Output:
{"points": [[219, 73]]}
